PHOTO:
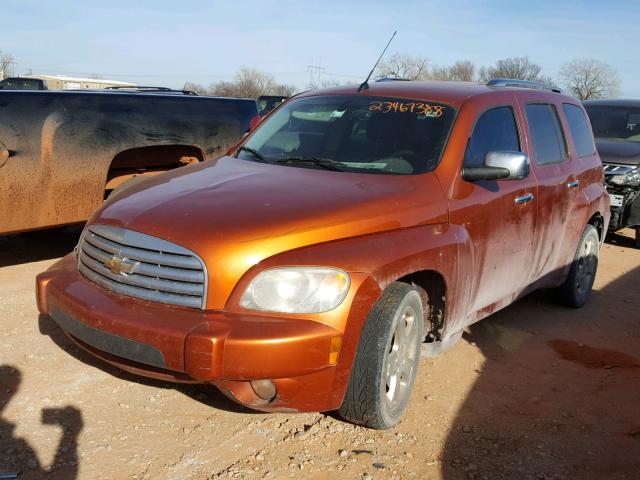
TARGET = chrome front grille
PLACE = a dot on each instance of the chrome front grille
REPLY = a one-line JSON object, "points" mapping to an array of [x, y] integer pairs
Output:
{"points": [[141, 266]]}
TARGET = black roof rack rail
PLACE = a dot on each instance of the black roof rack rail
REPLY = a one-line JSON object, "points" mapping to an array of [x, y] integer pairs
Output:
{"points": [[143, 88], [509, 82]]}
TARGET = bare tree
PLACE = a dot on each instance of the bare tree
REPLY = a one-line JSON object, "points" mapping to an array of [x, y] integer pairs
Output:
{"points": [[588, 78], [403, 66], [195, 87], [247, 83], [519, 68], [282, 89], [325, 83], [462, 70], [6, 65], [251, 83], [417, 68]]}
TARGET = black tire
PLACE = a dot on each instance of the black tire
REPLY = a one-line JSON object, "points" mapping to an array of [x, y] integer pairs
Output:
{"points": [[637, 242], [576, 289], [382, 350]]}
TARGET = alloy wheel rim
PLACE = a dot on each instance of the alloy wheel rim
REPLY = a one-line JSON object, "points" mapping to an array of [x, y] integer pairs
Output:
{"points": [[586, 266], [400, 358]]}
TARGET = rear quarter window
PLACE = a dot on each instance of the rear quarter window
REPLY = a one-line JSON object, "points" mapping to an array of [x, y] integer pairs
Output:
{"points": [[580, 130], [546, 133]]}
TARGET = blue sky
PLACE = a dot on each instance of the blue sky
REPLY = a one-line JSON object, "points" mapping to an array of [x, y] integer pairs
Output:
{"points": [[168, 42]]}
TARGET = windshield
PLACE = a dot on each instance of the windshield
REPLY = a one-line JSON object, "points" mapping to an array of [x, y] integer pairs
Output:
{"points": [[615, 122], [353, 133]]}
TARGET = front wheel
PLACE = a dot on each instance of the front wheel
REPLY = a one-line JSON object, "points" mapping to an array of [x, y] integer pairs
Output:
{"points": [[577, 288], [387, 359]]}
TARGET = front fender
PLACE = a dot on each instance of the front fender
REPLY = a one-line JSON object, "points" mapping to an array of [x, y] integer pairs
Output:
{"points": [[373, 262]]}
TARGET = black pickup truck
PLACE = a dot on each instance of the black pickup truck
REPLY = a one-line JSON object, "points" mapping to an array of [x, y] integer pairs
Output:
{"points": [[616, 126], [63, 152]]}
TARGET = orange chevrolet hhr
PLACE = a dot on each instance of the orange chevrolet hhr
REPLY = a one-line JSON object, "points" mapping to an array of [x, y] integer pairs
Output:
{"points": [[353, 228]]}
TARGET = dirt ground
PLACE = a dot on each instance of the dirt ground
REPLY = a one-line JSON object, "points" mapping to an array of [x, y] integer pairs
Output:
{"points": [[536, 391]]}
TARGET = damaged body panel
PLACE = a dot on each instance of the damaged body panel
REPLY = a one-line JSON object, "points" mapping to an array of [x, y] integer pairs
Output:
{"points": [[61, 153]]}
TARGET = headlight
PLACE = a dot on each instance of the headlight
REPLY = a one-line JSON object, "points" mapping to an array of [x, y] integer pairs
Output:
{"points": [[631, 178], [296, 290]]}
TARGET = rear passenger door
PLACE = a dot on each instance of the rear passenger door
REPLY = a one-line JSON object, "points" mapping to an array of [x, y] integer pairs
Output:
{"points": [[557, 186]]}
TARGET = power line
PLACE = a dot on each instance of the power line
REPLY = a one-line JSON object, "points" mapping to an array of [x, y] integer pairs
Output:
{"points": [[315, 72]]}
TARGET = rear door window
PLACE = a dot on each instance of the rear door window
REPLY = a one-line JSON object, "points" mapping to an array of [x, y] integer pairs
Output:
{"points": [[495, 130], [580, 130], [546, 133]]}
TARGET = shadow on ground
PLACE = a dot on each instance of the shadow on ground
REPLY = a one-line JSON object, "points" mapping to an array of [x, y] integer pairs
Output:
{"points": [[203, 393], [559, 394], [18, 457], [39, 245], [620, 240]]}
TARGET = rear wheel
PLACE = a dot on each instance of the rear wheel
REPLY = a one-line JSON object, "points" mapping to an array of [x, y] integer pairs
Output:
{"points": [[387, 359], [577, 288]]}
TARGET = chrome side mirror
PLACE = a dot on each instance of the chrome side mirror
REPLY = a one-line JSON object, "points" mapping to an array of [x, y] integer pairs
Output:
{"points": [[516, 162], [499, 165]]}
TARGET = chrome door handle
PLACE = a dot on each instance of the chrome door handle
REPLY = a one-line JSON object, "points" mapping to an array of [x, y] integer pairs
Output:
{"points": [[526, 198], [573, 184]]}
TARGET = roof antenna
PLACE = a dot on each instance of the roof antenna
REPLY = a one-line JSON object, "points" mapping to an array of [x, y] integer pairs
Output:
{"points": [[365, 85]]}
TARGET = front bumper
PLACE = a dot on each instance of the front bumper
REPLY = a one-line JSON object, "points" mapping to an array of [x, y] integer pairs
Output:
{"points": [[627, 214], [189, 345]]}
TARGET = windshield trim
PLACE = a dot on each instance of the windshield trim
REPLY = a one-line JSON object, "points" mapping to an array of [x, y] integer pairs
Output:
{"points": [[306, 95]]}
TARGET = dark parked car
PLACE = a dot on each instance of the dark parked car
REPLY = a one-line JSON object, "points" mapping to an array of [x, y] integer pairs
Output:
{"points": [[616, 126]]}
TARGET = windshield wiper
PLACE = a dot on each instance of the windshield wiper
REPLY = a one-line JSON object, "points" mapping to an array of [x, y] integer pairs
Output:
{"points": [[253, 152], [326, 163]]}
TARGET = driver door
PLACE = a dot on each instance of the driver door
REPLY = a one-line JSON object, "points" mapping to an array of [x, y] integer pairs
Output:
{"points": [[499, 216]]}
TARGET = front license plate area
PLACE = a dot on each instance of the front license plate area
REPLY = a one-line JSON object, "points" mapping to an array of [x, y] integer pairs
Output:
{"points": [[616, 200]]}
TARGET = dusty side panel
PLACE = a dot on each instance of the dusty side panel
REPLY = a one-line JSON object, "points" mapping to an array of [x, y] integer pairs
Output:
{"points": [[59, 146]]}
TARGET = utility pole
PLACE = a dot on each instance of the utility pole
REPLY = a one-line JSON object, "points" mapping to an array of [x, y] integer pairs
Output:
{"points": [[315, 72]]}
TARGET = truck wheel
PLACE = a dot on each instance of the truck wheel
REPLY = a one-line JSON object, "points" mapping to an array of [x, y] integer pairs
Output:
{"points": [[577, 288], [384, 370]]}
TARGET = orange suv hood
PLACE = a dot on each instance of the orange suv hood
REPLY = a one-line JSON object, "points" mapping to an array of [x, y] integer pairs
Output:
{"points": [[233, 213]]}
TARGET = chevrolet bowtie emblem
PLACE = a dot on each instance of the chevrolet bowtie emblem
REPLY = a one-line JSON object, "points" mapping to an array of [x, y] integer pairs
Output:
{"points": [[120, 266]]}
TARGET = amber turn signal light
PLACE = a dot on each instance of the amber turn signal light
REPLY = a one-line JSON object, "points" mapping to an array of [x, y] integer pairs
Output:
{"points": [[334, 350]]}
